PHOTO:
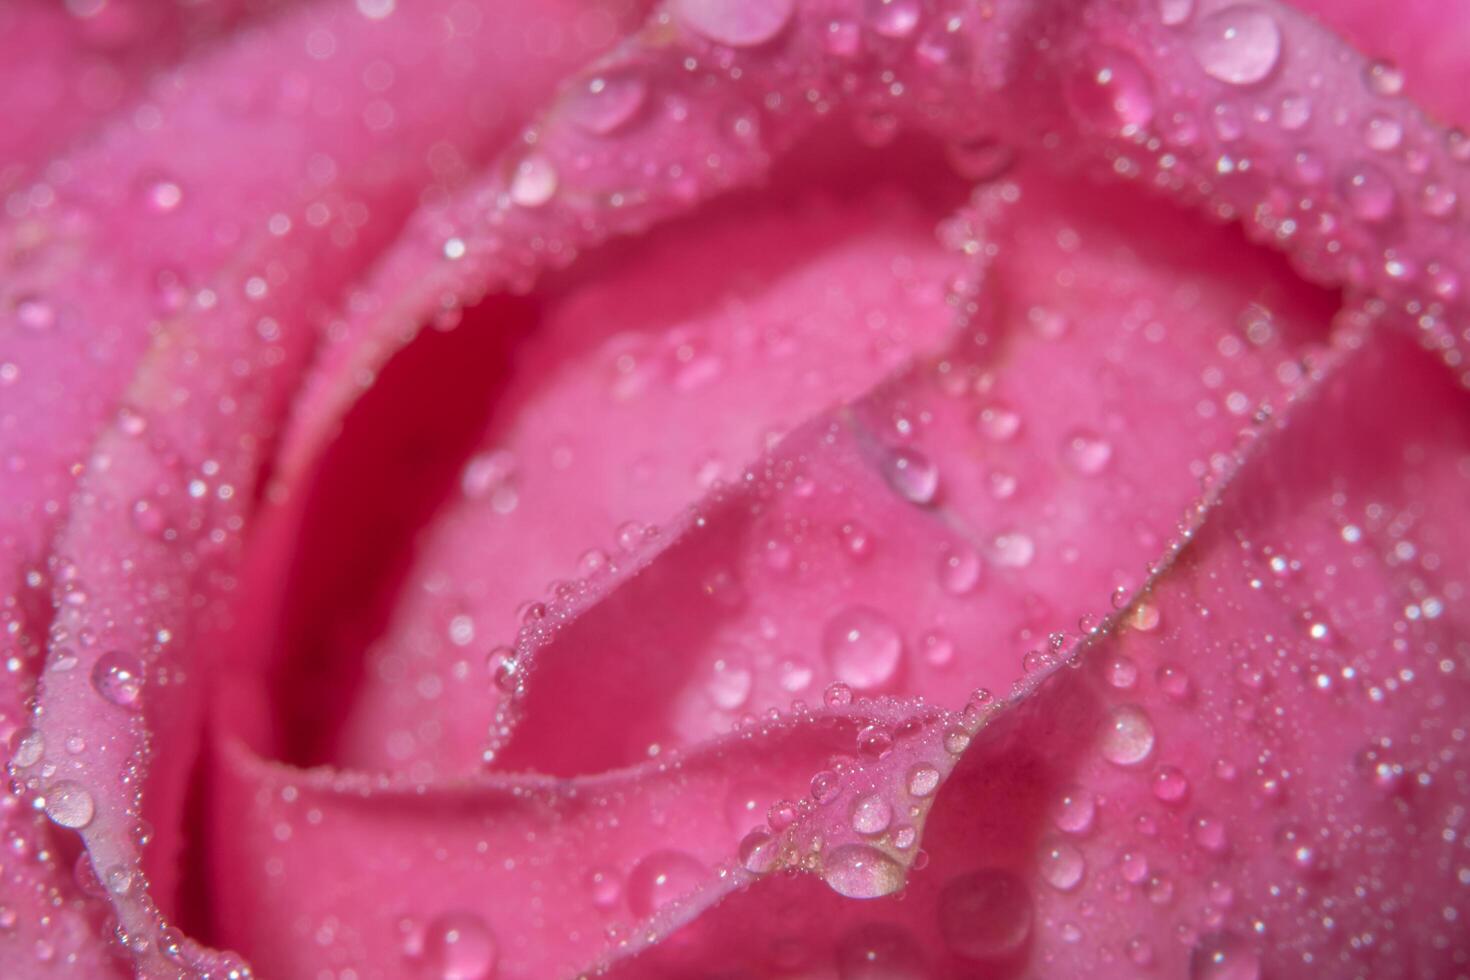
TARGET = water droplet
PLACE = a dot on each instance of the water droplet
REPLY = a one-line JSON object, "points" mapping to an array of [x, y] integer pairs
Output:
{"points": [[35, 314], [871, 814], [1383, 133], [999, 422], [912, 474], [607, 102], [162, 195], [118, 677], [893, 18], [1127, 735], [937, 648], [1133, 867], [959, 570], [1294, 112], [759, 852], [1175, 12], [604, 887], [1170, 784], [923, 780], [27, 747], [874, 742], [1223, 956], [663, 877], [730, 686], [1239, 45], [1012, 549], [1074, 810], [1174, 682], [1111, 91], [985, 915], [738, 23], [856, 540], [863, 647], [1209, 833], [458, 946], [1061, 865], [534, 181], [1383, 78], [1369, 192], [1144, 617], [860, 871], [69, 804], [980, 159], [1086, 452], [837, 695], [1121, 672], [826, 786]]}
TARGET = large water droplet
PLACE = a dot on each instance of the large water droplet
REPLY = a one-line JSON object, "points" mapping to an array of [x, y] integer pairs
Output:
{"points": [[118, 677], [458, 946], [69, 804], [534, 181], [663, 877], [860, 871], [893, 18], [729, 687], [1239, 45], [738, 23], [1127, 735], [607, 102], [1223, 956], [985, 915], [863, 647], [1111, 91], [912, 474]]}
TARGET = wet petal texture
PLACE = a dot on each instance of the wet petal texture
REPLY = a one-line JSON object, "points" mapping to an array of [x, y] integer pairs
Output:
{"points": [[828, 509]]}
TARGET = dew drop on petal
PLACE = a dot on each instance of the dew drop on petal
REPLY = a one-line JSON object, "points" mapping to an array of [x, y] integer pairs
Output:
{"points": [[604, 887], [534, 181], [27, 747], [606, 103], [1369, 192], [959, 570], [985, 915], [1223, 956], [1170, 785], [893, 18], [837, 695], [912, 474], [860, 871], [663, 877], [1074, 810], [1127, 735], [1175, 12], [69, 804], [826, 786], [1061, 864], [923, 780], [759, 852], [871, 815], [1111, 91], [458, 946], [1086, 452], [738, 23], [863, 647], [1239, 45], [118, 677]]}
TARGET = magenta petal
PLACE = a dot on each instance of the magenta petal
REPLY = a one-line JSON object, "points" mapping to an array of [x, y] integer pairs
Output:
{"points": [[182, 238]]}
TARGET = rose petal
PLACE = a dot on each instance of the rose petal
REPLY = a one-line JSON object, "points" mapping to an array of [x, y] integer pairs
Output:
{"points": [[140, 568]]}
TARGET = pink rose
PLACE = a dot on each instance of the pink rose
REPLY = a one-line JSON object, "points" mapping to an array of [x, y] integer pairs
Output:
{"points": [[627, 618]]}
